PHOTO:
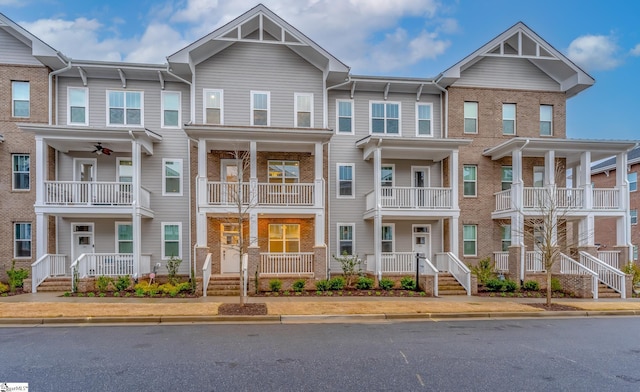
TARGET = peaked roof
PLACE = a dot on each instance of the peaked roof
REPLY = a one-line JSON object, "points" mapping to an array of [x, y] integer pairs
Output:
{"points": [[259, 24], [633, 157], [39, 49], [519, 41]]}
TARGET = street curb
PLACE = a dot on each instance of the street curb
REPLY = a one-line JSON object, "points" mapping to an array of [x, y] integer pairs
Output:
{"points": [[330, 318]]}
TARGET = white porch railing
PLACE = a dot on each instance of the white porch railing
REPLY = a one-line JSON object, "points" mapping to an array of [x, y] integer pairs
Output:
{"points": [[416, 198], [87, 193], [107, 264], [533, 261], [570, 198], [286, 263], [398, 262], [572, 267], [206, 274], [448, 262], [46, 266], [608, 275], [503, 200], [501, 261], [223, 193], [610, 257], [226, 193], [606, 198]]}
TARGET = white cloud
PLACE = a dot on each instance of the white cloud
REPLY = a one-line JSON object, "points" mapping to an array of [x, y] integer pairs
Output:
{"points": [[157, 42], [635, 51], [595, 52]]}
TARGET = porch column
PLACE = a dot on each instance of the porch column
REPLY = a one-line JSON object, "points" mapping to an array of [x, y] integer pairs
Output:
{"points": [[41, 169], [517, 184], [253, 229], [550, 168], [136, 153], [318, 188], [584, 179], [201, 195], [42, 234], [586, 231], [377, 219], [253, 176], [454, 236], [623, 224]]}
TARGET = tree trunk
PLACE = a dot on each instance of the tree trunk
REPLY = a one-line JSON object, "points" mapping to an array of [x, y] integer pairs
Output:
{"points": [[549, 286]]}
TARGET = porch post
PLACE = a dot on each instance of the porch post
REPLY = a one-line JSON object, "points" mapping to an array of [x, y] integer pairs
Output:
{"points": [[253, 176], [584, 179], [41, 169], [550, 168], [623, 224], [42, 235], [377, 219], [201, 194], [136, 220], [454, 242], [253, 229], [517, 185], [319, 165]]}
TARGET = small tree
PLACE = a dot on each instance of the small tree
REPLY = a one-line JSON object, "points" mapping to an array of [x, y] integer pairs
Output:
{"points": [[351, 267]]}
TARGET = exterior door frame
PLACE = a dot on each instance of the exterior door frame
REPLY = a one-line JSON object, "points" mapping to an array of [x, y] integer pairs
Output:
{"points": [[236, 265], [76, 166], [426, 234], [420, 194], [75, 234]]}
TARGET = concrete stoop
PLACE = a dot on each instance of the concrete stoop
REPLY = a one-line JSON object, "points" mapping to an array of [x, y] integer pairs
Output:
{"points": [[223, 286], [605, 291], [62, 283], [448, 285]]}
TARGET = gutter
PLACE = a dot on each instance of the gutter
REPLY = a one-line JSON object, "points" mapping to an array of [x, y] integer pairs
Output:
{"points": [[444, 109], [51, 75]]}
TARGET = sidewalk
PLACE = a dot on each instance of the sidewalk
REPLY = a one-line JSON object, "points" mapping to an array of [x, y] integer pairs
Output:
{"points": [[52, 308]]}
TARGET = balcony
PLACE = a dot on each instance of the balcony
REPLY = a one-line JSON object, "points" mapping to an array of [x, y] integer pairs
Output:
{"points": [[533, 199], [286, 195], [92, 194], [412, 199]]}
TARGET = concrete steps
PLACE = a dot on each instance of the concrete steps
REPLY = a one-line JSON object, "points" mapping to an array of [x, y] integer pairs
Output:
{"points": [[448, 285], [223, 286], [55, 283], [605, 291]]}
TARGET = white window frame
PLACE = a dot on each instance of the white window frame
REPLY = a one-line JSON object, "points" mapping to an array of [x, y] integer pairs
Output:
{"points": [[295, 109], [13, 98], [118, 160], [353, 180], [14, 172], [162, 240], [339, 227], [388, 192], [284, 173], [16, 240], [502, 181], [385, 118], [475, 182], [418, 119], [538, 170], [251, 116], [179, 125], [504, 118], [464, 123], [125, 125], [338, 116], [550, 121], [475, 241], [634, 187], [164, 177], [633, 216], [505, 237], [86, 105], [117, 239], [221, 108], [393, 236], [284, 237]]}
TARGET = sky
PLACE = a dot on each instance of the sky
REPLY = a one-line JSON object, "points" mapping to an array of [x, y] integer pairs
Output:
{"points": [[410, 38]]}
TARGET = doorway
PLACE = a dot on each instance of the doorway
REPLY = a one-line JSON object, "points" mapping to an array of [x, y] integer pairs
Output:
{"points": [[84, 171], [229, 248], [422, 241], [229, 177], [420, 181], [82, 239]]}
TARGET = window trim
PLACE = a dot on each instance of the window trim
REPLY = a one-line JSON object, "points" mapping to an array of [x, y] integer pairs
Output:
{"points": [[430, 105], [125, 125], [538, 169], [162, 124], [118, 160], [204, 104], [164, 177], [475, 182], [16, 240], [295, 109], [13, 99], [475, 241], [353, 181], [284, 238], [502, 181], [550, 121], [162, 240], [284, 177], [393, 236], [14, 172], [515, 116], [251, 116], [464, 117], [631, 215], [353, 237], [505, 236], [385, 118], [353, 122], [634, 182], [86, 105], [117, 240]]}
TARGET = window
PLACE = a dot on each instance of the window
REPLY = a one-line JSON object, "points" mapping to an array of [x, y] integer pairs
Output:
{"points": [[304, 110], [345, 180], [260, 108], [20, 97], [171, 109], [546, 120], [213, 107], [284, 238], [470, 239], [171, 240], [634, 217], [124, 237], [506, 237], [125, 108], [345, 116], [538, 176], [387, 239], [471, 117], [284, 172], [632, 178], [78, 104], [125, 170], [386, 180], [20, 168], [172, 177], [509, 118], [385, 118], [469, 180], [635, 252], [22, 240], [507, 177], [345, 238], [423, 119]]}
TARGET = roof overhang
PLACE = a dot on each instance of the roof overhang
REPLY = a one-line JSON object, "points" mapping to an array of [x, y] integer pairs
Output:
{"points": [[410, 148], [386, 85], [86, 70]]}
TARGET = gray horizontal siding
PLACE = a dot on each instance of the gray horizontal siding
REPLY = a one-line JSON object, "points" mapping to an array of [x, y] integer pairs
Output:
{"points": [[12, 51], [510, 73]]}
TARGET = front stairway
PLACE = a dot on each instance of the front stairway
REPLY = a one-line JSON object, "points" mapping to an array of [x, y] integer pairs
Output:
{"points": [[605, 291], [55, 283], [223, 285], [448, 285]]}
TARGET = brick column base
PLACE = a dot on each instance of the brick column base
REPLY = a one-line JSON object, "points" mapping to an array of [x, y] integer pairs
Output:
{"points": [[319, 262], [515, 263], [201, 255], [252, 268], [623, 257]]}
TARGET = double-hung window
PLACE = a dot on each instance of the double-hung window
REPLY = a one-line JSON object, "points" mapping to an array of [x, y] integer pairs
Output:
{"points": [[471, 117], [345, 238], [171, 240], [304, 110], [507, 177], [125, 108], [78, 106], [470, 180], [506, 237], [20, 99], [284, 172], [213, 107], [385, 118], [171, 109], [125, 170], [424, 123], [632, 178], [386, 180], [124, 237], [538, 176], [260, 108], [508, 118], [345, 180], [22, 240], [634, 217], [344, 109], [470, 240], [172, 177], [387, 238], [284, 238], [21, 170], [546, 120]]}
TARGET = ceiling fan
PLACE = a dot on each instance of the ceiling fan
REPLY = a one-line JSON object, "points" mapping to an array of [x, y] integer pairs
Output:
{"points": [[101, 150]]}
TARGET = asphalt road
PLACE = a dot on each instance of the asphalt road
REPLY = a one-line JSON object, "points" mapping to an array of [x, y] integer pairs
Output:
{"points": [[580, 354]]}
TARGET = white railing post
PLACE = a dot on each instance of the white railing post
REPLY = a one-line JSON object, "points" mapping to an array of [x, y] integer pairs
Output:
{"points": [[206, 274]]}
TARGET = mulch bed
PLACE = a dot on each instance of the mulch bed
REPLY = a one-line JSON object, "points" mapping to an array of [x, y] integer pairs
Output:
{"points": [[553, 306], [342, 293], [10, 294], [242, 310]]}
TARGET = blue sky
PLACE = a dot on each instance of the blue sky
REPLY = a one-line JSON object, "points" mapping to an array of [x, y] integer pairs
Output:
{"points": [[417, 38]]}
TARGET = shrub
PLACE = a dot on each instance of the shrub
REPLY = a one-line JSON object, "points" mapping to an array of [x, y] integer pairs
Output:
{"points": [[484, 270], [91, 294], [386, 284], [633, 269], [509, 285], [322, 285], [337, 283], [185, 287], [501, 285], [102, 283], [408, 283], [275, 285], [351, 267], [3, 288], [123, 283], [556, 285], [493, 284], [364, 283], [16, 276], [531, 285], [298, 285], [172, 269]]}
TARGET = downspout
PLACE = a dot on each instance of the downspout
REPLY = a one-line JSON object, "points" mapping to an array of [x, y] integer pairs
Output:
{"points": [[444, 108], [51, 75]]}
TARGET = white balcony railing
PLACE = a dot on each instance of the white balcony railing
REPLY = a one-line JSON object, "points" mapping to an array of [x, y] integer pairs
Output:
{"points": [[503, 200], [286, 263], [565, 198], [606, 198], [570, 198], [448, 262], [46, 266], [570, 266], [533, 261], [412, 198], [223, 193], [501, 261], [398, 262], [610, 257], [108, 264], [608, 275], [83, 193]]}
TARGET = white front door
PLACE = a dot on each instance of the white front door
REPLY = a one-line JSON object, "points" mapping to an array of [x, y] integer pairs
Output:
{"points": [[229, 177], [419, 181], [84, 170], [82, 237], [230, 248], [422, 241]]}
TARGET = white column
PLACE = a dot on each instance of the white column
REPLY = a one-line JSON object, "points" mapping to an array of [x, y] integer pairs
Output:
{"points": [[253, 175], [454, 237], [453, 181], [41, 170], [377, 219], [319, 229], [517, 185], [319, 165], [42, 230], [623, 224], [201, 194], [550, 168], [253, 229], [136, 223], [586, 230]]}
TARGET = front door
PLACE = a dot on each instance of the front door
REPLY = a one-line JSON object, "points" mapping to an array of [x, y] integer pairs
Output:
{"points": [[422, 241], [84, 171], [420, 181], [229, 176], [82, 237], [230, 248]]}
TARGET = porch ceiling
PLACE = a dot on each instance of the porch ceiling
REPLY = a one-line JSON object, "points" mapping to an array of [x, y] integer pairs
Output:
{"points": [[410, 148]]}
